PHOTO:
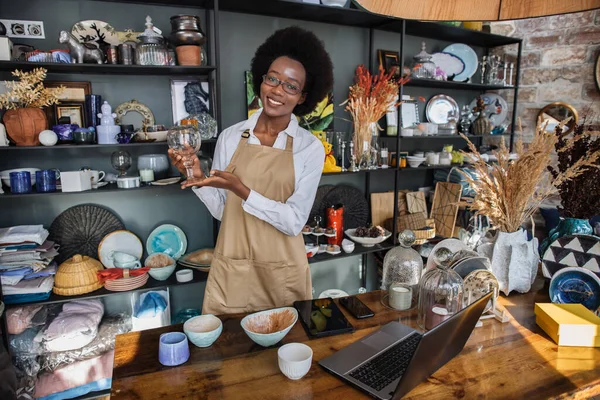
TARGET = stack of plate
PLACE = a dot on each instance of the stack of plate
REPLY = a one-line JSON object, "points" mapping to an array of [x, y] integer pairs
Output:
{"points": [[125, 284], [199, 260]]}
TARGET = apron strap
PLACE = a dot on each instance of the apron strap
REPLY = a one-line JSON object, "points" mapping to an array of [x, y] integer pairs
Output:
{"points": [[243, 142], [289, 144]]}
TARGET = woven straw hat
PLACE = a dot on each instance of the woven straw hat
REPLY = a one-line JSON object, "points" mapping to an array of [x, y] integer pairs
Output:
{"points": [[77, 275]]}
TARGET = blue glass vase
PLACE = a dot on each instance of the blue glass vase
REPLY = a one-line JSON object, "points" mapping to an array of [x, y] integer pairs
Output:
{"points": [[566, 226]]}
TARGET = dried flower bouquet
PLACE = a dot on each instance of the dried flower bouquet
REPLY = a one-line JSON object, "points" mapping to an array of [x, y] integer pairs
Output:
{"points": [[29, 91]]}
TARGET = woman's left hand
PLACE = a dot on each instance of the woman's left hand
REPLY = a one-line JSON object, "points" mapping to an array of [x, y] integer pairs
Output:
{"points": [[224, 180]]}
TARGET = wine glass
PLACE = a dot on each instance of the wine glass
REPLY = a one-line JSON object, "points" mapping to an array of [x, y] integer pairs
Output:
{"points": [[185, 140], [121, 161]]}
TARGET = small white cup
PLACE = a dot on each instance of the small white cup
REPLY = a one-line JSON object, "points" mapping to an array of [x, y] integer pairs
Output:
{"points": [[295, 360], [97, 177]]}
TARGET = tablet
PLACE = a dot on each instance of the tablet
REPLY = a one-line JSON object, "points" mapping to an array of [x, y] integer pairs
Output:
{"points": [[322, 317]]}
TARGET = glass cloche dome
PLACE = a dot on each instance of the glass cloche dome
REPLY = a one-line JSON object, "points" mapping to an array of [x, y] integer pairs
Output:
{"points": [[440, 292], [402, 269]]}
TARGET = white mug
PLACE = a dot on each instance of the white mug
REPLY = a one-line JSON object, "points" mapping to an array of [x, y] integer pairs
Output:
{"points": [[97, 177]]}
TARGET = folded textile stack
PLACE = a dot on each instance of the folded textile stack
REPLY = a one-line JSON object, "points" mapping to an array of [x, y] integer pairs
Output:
{"points": [[27, 268]]}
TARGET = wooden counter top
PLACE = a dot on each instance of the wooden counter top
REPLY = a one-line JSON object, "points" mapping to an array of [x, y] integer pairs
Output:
{"points": [[515, 360]]}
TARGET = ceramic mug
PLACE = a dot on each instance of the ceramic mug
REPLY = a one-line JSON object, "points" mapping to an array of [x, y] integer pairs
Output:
{"points": [[173, 349], [97, 177], [124, 260], [128, 264], [45, 180]]}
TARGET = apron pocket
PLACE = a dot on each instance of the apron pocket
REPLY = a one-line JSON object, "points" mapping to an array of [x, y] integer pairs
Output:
{"points": [[229, 281], [267, 285]]}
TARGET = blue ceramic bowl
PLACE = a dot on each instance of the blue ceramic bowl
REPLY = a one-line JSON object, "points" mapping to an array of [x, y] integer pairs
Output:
{"points": [[173, 349], [203, 330], [259, 318], [160, 273], [576, 285]]}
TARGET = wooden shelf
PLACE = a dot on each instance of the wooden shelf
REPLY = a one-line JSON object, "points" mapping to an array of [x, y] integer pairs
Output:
{"points": [[107, 68], [94, 146]]}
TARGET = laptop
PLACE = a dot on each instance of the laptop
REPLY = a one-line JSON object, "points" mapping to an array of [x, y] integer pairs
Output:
{"points": [[387, 364]]}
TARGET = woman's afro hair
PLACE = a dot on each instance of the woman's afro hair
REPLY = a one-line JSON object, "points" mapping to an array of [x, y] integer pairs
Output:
{"points": [[306, 48]]}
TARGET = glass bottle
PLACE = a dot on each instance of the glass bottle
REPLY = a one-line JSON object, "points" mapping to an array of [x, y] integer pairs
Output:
{"points": [[424, 68], [374, 146], [402, 269], [440, 293]]}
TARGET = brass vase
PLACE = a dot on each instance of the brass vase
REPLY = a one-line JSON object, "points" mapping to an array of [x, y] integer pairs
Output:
{"points": [[482, 125], [24, 125]]}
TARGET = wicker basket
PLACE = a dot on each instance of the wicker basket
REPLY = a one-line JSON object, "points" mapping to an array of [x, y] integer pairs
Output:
{"points": [[77, 275], [423, 235]]}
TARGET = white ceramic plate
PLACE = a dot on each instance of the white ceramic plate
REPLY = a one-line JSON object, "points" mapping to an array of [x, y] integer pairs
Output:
{"points": [[311, 249], [496, 110], [336, 250], [121, 240], [333, 293], [449, 63], [167, 181], [168, 239], [453, 245], [467, 56], [95, 32], [367, 242], [438, 108]]}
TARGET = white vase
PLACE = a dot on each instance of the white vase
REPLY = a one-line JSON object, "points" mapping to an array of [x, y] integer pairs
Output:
{"points": [[514, 261]]}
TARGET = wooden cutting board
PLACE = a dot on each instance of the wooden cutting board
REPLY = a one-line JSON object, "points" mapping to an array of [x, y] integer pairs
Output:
{"points": [[445, 207], [382, 206], [416, 203]]}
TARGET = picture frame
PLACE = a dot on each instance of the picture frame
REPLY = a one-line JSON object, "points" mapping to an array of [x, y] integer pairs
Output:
{"points": [[75, 91], [410, 113], [199, 97], [75, 110], [389, 60]]}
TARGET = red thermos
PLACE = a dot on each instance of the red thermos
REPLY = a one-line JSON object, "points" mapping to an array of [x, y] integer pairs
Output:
{"points": [[335, 219]]}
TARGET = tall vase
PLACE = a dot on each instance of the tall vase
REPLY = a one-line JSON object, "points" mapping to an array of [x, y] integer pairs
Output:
{"points": [[566, 226], [374, 146], [24, 125], [482, 125], [363, 142]]}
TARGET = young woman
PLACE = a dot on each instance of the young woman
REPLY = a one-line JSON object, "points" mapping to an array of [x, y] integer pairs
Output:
{"points": [[266, 171]]}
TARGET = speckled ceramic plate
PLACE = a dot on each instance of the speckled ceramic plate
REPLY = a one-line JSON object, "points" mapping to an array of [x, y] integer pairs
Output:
{"points": [[575, 285], [477, 284], [572, 251], [454, 245], [466, 266], [168, 239], [120, 240]]}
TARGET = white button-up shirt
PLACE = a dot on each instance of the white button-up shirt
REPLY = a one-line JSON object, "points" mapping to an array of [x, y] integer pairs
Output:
{"points": [[309, 156]]}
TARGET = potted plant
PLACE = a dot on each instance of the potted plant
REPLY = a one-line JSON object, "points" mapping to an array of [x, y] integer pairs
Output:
{"points": [[509, 192], [580, 195], [24, 118]]}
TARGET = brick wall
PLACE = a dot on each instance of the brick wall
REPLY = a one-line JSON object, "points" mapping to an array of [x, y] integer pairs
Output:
{"points": [[557, 64]]}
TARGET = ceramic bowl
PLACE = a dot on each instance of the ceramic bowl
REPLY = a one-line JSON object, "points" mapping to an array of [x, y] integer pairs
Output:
{"points": [[173, 349], [575, 285], [414, 163], [261, 320], [84, 137], [295, 360], [5, 175], [348, 245], [367, 241], [203, 330], [159, 163], [163, 273]]}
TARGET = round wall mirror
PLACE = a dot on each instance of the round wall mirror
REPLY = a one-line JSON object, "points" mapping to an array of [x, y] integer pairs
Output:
{"points": [[554, 113]]}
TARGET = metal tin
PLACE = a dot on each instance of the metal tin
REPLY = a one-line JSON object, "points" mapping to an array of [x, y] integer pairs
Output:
{"points": [[111, 55], [126, 54]]}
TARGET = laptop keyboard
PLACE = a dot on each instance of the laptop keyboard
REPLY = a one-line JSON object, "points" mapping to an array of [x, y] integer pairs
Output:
{"points": [[382, 370]]}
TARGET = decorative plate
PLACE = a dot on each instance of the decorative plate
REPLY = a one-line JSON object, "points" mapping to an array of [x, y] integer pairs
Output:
{"points": [[477, 284], [439, 107], [572, 251], [98, 33], [128, 36], [367, 241], [126, 284], [356, 208], [496, 110], [80, 229], [448, 63], [168, 239], [465, 267], [467, 56], [165, 182], [122, 240], [134, 106], [454, 245], [575, 285], [333, 293]]}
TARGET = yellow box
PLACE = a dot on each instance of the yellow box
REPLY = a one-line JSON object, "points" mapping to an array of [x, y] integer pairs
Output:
{"points": [[569, 324]]}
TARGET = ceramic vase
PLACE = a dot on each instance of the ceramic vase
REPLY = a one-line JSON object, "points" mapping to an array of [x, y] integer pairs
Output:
{"points": [[189, 55], [482, 125], [566, 226], [514, 261], [24, 125]]}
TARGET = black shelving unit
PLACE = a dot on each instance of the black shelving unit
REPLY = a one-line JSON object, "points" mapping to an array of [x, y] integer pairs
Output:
{"points": [[89, 69], [95, 146]]}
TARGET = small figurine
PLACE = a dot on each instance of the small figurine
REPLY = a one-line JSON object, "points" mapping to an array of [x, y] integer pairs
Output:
{"points": [[107, 117], [107, 130], [482, 125], [330, 163], [80, 53]]}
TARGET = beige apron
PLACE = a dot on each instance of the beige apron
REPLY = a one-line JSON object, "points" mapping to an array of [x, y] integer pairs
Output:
{"points": [[255, 266]]}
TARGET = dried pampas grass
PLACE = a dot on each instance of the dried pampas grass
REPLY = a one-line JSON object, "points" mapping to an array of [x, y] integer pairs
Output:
{"points": [[508, 192], [270, 323], [29, 91]]}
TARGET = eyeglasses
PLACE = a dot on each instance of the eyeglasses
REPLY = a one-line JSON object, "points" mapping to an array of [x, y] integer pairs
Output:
{"points": [[289, 88]]}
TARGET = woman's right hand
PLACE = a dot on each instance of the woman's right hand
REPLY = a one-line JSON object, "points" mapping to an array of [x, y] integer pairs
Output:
{"points": [[177, 160]]}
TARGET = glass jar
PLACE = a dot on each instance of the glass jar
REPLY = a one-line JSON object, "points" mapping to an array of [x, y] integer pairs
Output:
{"points": [[374, 146], [402, 269], [440, 292], [152, 49], [424, 68]]}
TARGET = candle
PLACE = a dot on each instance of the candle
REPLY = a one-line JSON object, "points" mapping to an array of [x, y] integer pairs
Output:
{"points": [[146, 175], [400, 297], [435, 316]]}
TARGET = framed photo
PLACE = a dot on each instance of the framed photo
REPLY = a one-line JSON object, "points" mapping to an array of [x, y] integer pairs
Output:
{"points": [[390, 61], [410, 113], [73, 110], [190, 96], [75, 91]]}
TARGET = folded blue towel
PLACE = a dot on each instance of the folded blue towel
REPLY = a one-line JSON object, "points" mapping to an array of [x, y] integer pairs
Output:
{"points": [[152, 305]]}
